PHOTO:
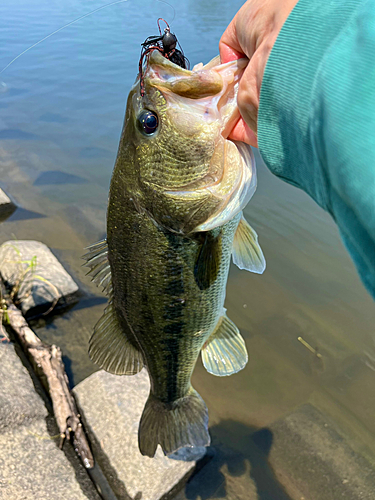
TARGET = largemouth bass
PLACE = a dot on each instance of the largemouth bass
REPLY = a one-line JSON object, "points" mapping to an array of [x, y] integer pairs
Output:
{"points": [[174, 219]]}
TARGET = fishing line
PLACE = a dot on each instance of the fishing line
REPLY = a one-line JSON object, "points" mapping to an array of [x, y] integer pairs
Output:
{"points": [[171, 6], [63, 27], [72, 22]]}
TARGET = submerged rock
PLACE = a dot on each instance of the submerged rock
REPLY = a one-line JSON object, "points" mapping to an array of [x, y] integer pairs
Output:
{"points": [[112, 407], [309, 455], [7, 207], [39, 282]]}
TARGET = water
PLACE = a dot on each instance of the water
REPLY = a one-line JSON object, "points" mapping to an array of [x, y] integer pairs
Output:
{"points": [[61, 114]]}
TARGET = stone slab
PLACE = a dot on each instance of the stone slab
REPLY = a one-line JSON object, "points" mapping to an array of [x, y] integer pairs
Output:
{"points": [[19, 403], [112, 406], [32, 466], [307, 449], [7, 207], [41, 280]]}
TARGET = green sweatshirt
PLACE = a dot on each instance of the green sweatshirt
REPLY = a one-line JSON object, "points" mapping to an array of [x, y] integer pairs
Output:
{"points": [[316, 122]]}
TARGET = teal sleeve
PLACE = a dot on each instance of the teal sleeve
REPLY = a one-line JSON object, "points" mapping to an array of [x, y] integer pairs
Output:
{"points": [[316, 121]]}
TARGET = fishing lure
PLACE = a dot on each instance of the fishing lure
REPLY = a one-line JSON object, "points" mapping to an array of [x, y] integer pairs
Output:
{"points": [[166, 44]]}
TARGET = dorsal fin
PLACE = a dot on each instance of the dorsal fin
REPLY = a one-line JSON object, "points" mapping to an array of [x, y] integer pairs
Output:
{"points": [[100, 271], [247, 253], [225, 351], [110, 347]]}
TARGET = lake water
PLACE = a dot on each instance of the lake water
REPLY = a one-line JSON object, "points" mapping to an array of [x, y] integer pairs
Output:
{"points": [[61, 112]]}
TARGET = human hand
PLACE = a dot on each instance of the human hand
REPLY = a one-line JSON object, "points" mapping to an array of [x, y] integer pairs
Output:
{"points": [[252, 33]]}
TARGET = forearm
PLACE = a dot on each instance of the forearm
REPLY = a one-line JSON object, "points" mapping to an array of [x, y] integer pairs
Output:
{"points": [[316, 120]]}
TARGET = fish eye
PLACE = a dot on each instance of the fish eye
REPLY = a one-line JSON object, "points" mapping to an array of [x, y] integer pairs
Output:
{"points": [[148, 122]]}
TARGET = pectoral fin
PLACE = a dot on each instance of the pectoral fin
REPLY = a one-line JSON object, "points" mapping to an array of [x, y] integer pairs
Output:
{"points": [[97, 260], [247, 253], [110, 347], [208, 261], [225, 352]]}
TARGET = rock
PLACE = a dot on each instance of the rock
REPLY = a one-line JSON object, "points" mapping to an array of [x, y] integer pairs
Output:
{"points": [[7, 207], [19, 402], [112, 407], [32, 467], [307, 449], [42, 282]]}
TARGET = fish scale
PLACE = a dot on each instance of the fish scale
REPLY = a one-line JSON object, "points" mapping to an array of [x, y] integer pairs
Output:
{"points": [[156, 285], [167, 278]]}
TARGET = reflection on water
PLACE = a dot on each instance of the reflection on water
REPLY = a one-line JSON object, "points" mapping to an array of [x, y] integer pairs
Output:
{"points": [[60, 123]]}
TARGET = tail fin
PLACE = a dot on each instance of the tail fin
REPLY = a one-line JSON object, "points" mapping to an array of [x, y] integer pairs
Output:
{"points": [[176, 425]]}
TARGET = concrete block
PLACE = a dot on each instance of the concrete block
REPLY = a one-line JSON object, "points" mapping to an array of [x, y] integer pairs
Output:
{"points": [[7, 207], [307, 449], [112, 407], [41, 280]]}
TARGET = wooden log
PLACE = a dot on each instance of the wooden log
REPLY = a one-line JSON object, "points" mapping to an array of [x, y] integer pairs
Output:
{"points": [[48, 362]]}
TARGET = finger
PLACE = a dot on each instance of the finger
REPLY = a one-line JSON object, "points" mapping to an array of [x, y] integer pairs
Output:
{"points": [[229, 46], [228, 54], [248, 97], [243, 133]]}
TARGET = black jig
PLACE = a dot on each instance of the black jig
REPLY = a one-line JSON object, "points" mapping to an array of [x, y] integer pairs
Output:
{"points": [[166, 44]]}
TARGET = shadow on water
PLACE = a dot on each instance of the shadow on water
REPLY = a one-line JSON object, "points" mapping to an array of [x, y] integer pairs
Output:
{"points": [[16, 133], [53, 118], [58, 177], [90, 302], [237, 449], [14, 92], [68, 370], [94, 152], [24, 214]]}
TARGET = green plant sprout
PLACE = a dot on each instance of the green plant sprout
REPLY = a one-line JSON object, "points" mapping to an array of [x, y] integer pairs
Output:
{"points": [[26, 276], [4, 318]]}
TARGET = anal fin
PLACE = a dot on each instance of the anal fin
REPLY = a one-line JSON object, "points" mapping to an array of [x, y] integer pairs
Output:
{"points": [[247, 253], [225, 351], [111, 349]]}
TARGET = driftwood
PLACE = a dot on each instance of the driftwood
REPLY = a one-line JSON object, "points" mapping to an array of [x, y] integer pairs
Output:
{"points": [[47, 359]]}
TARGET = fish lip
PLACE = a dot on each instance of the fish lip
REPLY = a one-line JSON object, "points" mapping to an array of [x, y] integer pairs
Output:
{"points": [[215, 80], [155, 58]]}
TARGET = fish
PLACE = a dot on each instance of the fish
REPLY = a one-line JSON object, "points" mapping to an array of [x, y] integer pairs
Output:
{"points": [[174, 220]]}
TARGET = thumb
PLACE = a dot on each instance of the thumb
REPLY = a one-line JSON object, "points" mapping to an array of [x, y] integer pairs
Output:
{"points": [[229, 46]]}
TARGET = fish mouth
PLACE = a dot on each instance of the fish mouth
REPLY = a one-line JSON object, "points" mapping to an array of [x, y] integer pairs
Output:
{"points": [[202, 102], [211, 88]]}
